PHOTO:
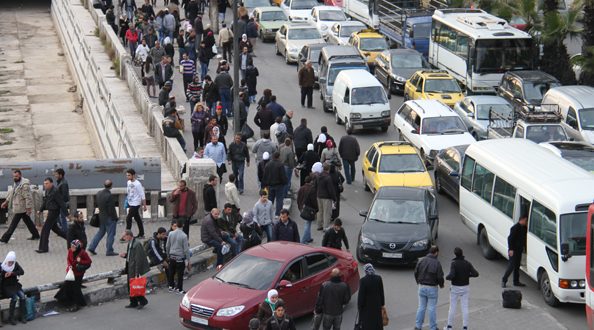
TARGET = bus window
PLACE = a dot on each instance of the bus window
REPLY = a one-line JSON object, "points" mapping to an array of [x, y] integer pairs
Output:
{"points": [[504, 197], [467, 170], [573, 232], [524, 208], [482, 184], [543, 224]]}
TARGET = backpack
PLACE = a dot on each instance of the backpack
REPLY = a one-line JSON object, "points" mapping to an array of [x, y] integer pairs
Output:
{"points": [[169, 129], [254, 238]]}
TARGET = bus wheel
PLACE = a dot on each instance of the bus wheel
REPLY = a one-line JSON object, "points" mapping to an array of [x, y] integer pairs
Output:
{"points": [[486, 248], [547, 292]]}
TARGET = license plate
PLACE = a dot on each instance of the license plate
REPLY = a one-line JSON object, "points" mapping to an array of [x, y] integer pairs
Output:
{"points": [[392, 255], [199, 320]]}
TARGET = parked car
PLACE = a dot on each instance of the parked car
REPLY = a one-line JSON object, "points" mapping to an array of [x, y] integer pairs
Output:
{"points": [[433, 85], [447, 170], [394, 67], [291, 38], [394, 164], [576, 105], [269, 19], [311, 52], [525, 89], [430, 126], [399, 228], [579, 153], [298, 10], [230, 298], [474, 111], [340, 32], [251, 5], [324, 16], [370, 43]]}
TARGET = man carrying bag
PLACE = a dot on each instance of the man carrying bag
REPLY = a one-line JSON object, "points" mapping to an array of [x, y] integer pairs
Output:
{"points": [[136, 266]]}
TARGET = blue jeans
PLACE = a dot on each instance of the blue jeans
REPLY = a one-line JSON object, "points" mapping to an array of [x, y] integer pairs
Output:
{"points": [[217, 248], [130, 12], [268, 231], [19, 295], [349, 170], [108, 228], [427, 301], [306, 232], [225, 94], [275, 195], [63, 222], [132, 46], [203, 70], [238, 170], [234, 242]]}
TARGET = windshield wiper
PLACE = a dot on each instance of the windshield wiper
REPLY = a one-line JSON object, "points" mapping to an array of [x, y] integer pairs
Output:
{"points": [[378, 220], [243, 285], [406, 222], [220, 279], [454, 130]]}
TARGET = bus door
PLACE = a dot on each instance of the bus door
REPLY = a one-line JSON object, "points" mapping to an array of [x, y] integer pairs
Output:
{"points": [[523, 209]]}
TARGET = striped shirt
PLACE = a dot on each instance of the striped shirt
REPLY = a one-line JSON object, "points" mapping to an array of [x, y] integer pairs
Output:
{"points": [[189, 68]]}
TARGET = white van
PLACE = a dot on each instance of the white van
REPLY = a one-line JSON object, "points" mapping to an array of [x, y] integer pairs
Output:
{"points": [[576, 104], [360, 101]]}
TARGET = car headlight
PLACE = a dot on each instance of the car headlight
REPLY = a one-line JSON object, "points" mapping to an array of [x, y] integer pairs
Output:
{"points": [[386, 113], [185, 301], [267, 30], [328, 97], [582, 284], [230, 311], [399, 78], [355, 115], [366, 240], [422, 244], [573, 284]]}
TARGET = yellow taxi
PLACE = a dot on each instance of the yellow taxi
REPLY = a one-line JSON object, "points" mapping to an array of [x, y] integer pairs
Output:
{"points": [[433, 85], [369, 43], [394, 163]]}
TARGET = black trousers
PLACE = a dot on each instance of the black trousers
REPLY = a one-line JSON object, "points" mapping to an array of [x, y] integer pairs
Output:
{"points": [[306, 92], [176, 267], [299, 152], [227, 51], [198, 139], [14, 223], [134, 212], [51, 223], [134, 301], [513, 265]]}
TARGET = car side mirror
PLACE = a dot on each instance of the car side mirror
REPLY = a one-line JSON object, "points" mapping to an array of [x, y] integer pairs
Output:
{"points": [[565, 252], [371, 169], [454, 173], [285, 284], [389, 94], [414, 131], [430, 167], [363, 213]]}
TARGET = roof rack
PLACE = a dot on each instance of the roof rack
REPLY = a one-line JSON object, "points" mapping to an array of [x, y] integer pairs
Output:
{"points": [[548, 113], [393, 143]]}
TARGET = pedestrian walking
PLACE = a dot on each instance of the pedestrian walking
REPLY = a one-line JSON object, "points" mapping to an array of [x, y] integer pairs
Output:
{"points": [[232, 194], [307, 79], [70, 294], [142, 52], [327, 197], [265, 99], [148, 72], [338, 182], [227, 224], [209, 194], [262, 146], [279, 319], [12, 288], [63, 188], [204, 59], [288, 123], [251, 80], [54, 204], [320, 144], [178, 254], [348, 149], [132, 39], [252, 32], [334, 237], [516, 241], [238, 158], [136, 265], [224, 83], [199, 121], [211, 235], [264, 214], [216, 151], [277, 109], [264, 119], [330, 155], [251, 230], [306, 199], [185, 205], [188, 69], [20, 202], [193, 92], [428, 275], [370, 300], [156, 53], [287, 157], [76, 230], [267, 307], [129, 7], [136, 198], [261, 166], [285, 229], [156, 248], [245, 43], [333, 296], [301, 138], [163, 72], [461, 271], [275, 180], [306, 162], [108, 219], [169, 24], [245, 58], [226, 42]]}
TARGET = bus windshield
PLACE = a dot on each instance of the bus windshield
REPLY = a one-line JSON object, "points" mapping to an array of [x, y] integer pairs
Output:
{"points": [[501, 55], [573, 232]]}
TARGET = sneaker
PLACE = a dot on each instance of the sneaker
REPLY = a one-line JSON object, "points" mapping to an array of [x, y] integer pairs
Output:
{"points": [[171, 289], [180, 292]]}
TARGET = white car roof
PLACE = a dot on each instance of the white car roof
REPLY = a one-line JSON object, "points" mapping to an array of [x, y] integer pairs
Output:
{"points": [[431, 108], [359, 78], [332, 8], [487, 99], [271, 8]]}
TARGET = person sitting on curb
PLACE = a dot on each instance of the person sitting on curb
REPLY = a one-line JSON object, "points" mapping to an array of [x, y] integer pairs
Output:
{"points": [[155, 248]]}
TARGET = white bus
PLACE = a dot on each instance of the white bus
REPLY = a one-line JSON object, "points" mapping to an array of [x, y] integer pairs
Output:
{"points": [[504, 178], [362, 10], [477, 48]]}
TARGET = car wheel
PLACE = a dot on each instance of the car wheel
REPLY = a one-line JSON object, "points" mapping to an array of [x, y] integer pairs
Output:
{"points": [[547, 292], [486, 248], [475, 135], [337, 118], [276, 49], [438, 186], [348, 127]]}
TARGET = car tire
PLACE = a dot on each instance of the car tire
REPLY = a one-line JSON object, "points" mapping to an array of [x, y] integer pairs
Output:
{"points": [[487, 250], [276, 48], [438, 186], [544, 283], [337, 118], [348, 127], [475, 135]]}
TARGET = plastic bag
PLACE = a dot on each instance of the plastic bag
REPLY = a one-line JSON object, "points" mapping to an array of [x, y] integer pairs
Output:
{"points": [[69, 275]]}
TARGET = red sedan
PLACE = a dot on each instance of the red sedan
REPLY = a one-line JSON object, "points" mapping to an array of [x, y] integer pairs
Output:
{"points": [[230, 298]]}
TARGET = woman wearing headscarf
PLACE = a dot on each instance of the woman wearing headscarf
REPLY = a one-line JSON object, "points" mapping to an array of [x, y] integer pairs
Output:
{"points": [[252, 232], [11, 288], [70, 294], [267, 307], [306, 162], [245, 42], [370, 300]]}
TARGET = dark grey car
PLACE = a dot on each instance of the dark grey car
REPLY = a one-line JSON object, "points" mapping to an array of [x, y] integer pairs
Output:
{"points": [[311, 53], [393, 67], [447, 170]]}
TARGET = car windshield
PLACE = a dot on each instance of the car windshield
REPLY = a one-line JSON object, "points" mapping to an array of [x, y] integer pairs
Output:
{"points": [[535, 91], [332, 15], [422, 30], [409, 61], [304, 34], [246, 271], [346, 31], [442, 86], [401, 163], [586, 161], [443, 125], [303, 4], [587, 119], [256, 3], [545, 133], [273, 16], [573, 232], [368, 95], [373, 44], [335, 70], [394, 210], [502, 55], [502, 110]]}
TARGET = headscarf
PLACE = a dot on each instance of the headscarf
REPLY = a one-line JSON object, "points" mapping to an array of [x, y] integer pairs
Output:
{"points": [[248, 218], [329, 144], [271, 294], [11, 256], [266, 155], [317, 168], [321, 138], [281, 129], [369, 270], [244, 37], [166, 41], [78, 246], [310, 147]]}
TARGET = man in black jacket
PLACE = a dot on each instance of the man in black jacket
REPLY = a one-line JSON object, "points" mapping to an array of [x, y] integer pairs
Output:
{"points": [[333, 296], [515, 245], [62, 185], [108, 218], [238, 157], [301, 138], [209, 194], [264, 119], [428, 275], [334, 237], [53, 203], [76, 230], [460, 273], [327, 196], [285, 229], [156, 248], [211, 235], [348, 149], [275, 178]]}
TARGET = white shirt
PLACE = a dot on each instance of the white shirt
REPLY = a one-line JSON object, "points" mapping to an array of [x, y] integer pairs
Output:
{"points": [[135, 193], [142, 52]]}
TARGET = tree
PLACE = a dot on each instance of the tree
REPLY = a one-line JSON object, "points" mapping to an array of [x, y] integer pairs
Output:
{"points": [[587, 74]]}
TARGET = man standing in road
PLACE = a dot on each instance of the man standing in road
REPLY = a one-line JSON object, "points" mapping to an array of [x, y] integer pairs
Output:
{"points": [[428, 275], [136, 199], [285, 229], [307, 79], [333, 296], [326, 197], [301, 138], [54, 204], [209, 195], [275, 178], [108, 219], [20, 201], [64, 190], [178, 253], [163, 72], [334, 237], [264, 145], [224, 82], [460, 272], [216, 151], [348, 149], [185, 204], [238, 158], [226, 43], [136, 265], [516, 241], [264, 119]]}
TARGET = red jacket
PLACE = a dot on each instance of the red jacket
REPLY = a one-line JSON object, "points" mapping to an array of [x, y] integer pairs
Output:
{"points": [[84, 260], [132, 35]]}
